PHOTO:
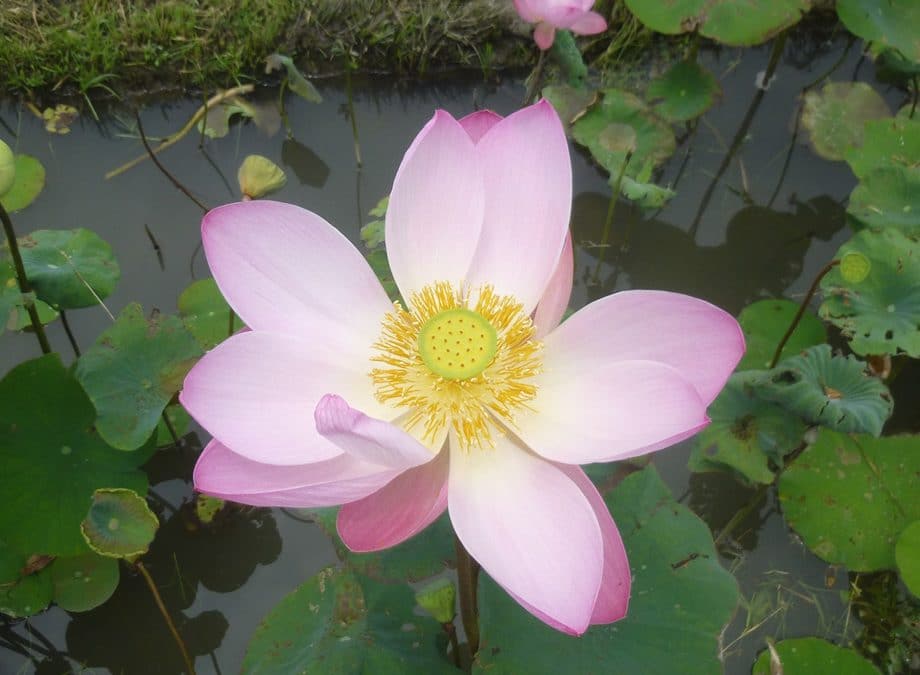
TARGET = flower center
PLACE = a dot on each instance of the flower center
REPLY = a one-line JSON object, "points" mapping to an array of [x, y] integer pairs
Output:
{"points": [[446, 361], [457, 344]]}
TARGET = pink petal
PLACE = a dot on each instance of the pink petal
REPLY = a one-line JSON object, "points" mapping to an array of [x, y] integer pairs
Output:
{"points": [[590, 23], [525, 9], [700, 340], [613, 598], [544, 35], [555, 298], [256, 391], [478, 123], [365, 438], [531, 528], [401, 509], [223, 473], [287, 270], [528, 178], [434, 215], [608, 411]]}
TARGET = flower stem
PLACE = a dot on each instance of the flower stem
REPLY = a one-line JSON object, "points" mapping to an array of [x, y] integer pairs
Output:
{"points": [[139, 566], [798, 315], [24, 286], [468, 581], [70, 335]]}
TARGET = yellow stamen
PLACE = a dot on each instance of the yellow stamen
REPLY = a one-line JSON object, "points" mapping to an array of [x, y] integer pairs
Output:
{"points": [[465, 389]]}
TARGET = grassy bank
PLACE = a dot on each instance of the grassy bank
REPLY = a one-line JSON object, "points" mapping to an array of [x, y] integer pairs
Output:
{"points": [[118, 46]]}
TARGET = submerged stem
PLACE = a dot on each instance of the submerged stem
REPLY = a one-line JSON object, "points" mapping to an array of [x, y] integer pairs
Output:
{"points": [[468, 581], [798, 315], [24, 286], [139, 566]]}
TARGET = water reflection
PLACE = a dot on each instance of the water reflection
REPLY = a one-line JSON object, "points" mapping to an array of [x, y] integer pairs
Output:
{"points": [[309, 167]]}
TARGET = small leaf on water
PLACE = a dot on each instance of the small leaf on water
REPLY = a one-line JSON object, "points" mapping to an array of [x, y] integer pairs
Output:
{"points": [[59, 118], [259, 176], [119, 524], [28, 182], [835, 116], [7, 168], [888, 198], [808, 656], [296, 81], [23, 592], [83, 582], [439, 598], [684, 92], [889, 142], [889, 22]]}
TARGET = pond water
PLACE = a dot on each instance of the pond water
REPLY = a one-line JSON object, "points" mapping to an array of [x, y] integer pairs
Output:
{"points": [[773, 219]]}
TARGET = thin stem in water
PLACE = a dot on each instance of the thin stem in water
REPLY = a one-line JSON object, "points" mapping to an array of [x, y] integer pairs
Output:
{"points": [[163, 169], [351, 115], [533, 81], [139, 566], [70, 335], [608, 221], [468, 578]]}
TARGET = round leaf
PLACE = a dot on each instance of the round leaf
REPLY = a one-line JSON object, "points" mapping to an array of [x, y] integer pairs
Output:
{"points": [[746, 433], [854, 267], [766, 321], [119, 524], [206, 314], [569, 102], [834, 117], [69, 268], [52, 459], [888, 197], [681, 600], [849, 497], [341, 623], [686, 91], [132, 372], [890, 142], [726, 21], [889, 22], [28, 184], [907, 556], [880, 314], [83, 582], [19, 319], [833, 391], [24, 589], [806, 656], [7, 168]]}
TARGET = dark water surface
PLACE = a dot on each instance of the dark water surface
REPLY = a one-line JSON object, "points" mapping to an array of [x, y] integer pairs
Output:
{"points": [[774, 218]]}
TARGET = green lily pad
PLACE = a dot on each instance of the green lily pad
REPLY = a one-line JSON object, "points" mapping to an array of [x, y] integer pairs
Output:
{"points": [[683, 93], [622, 124], [646, 195], [890, 142], [806, 656], [265, 115], [892, 23], [59, 118], [83, 582], [834, 117], [833, 391], [23, 592], [888, 197], [180, 420], [339, 622], [681, 600], [52, 459], [881, 314], [850, 496], [119, 524], [7, 168], [19, 319], [426, 554], [132, 372], [296, 81], [907, 556], [206, 314], [27, 185], [10, 297], [570, 102], [726, 21], [69, 269], [766, 321], [747, 434]]}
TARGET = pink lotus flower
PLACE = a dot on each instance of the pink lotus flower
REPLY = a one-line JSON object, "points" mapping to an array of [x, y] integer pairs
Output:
{"points": [[573, 15], [471, 397]]}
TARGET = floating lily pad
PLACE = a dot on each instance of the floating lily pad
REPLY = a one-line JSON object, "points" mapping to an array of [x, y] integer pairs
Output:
{"points": [[747, 434], [132, 372], [890, 142], [683, 93], [69, 268], [23, 591], [766, 321], [907, 556], [19, 319], [807, 656], [10, 296], [849, 497], [881, 314], [119, 524], [59, 118], [622, 124], [83, 582], [889, 22], [424, 555], [834, 117], [888, 197], [259, 176], [206, 314], [52, 459], [7, 168], [265, 116], [726, 21], [339, 622], [296, 81], [646, 195], [180, 420], [681, 600], [27, 185], [834, 391], [569, 102]]}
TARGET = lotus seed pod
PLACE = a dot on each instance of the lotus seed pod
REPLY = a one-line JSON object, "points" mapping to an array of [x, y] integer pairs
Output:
{"points": [[258, 176], [7, 168]]}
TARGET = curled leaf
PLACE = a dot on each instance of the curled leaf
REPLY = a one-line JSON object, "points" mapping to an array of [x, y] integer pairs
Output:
{"points": [[258, 176]]}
